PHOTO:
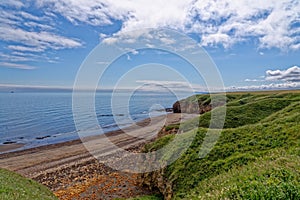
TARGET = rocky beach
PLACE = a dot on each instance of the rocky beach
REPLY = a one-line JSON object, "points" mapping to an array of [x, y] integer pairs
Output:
{"points": [[70, 170]]}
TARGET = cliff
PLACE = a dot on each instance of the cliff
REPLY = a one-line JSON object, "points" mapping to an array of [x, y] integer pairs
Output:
{"points": [[199, 104], [260, 141]]}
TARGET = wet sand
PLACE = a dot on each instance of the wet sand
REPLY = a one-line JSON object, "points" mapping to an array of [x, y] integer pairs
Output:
{"points": [[70, 170], [10, 147]]}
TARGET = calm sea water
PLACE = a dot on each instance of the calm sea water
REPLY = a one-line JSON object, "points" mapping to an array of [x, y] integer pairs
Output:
{"points": [[37, 119]]}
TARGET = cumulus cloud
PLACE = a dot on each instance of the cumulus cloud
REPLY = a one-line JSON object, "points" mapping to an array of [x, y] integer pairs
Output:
{"points": [[155, 85], [268, 21], [271, 86], [271, 23], [102, 36], [290, 75], [280, 79], [268, 24]]}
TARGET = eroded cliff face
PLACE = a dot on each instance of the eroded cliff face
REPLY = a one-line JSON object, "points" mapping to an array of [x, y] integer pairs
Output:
{"points": [[157, 180], [199, 104], [191, 107]]}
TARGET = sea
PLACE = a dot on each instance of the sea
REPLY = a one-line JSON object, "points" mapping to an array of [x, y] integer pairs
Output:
{"points": [[42, 118]]}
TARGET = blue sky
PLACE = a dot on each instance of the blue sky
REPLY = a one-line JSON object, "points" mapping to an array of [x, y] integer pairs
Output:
{"points": [[254, 45]]}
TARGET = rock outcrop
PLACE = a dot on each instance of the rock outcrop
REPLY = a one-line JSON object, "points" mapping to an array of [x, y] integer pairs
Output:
{"points": [[157, 180], [190, 107], [197, 105]]}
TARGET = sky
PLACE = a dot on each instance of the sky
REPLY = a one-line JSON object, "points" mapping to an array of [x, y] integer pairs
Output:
{"points": [[253, 44]]}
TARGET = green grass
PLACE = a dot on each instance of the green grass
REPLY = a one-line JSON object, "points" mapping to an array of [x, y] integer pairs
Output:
{"points": [[148, 197], [271, 177], [248, 113], [14, 186], [257, 155]]}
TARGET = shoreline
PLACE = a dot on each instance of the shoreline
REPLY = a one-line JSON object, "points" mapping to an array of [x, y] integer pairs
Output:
{"points": [[65, 165], [17, 147], [8, 150], [10, 147]]}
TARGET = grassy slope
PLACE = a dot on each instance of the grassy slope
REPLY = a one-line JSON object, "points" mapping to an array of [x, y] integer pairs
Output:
{"points": [[14, 186], [148, 197], [256, 156]]}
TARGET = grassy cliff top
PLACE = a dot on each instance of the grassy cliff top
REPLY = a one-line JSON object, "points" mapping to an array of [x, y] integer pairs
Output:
{"points": [[13, 186], [257, 155]]}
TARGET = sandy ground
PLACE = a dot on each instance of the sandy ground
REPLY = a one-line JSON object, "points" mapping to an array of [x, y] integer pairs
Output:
{"points": [[72, 172], [9, 147]]}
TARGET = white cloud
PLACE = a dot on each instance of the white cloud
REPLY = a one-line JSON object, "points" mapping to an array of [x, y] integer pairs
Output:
{"points": [[102, 36], [217, 38], [223, 22], [268, 21], [282, 79], [38, 25], [14, 57], [21, 56], [291, 75], [29, 33], [103, 63], [29, 16], [272, 86], [14, 3], [253, 80], [156, 85], [37, 39], [271, 23], [167, 40], [24, 48], [9, 18], [17, 66], [34, 87], [93, 12]]}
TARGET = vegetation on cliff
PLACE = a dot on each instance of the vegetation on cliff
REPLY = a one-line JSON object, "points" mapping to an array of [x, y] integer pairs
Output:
{"points": [[14, 186], [257, 155]]}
